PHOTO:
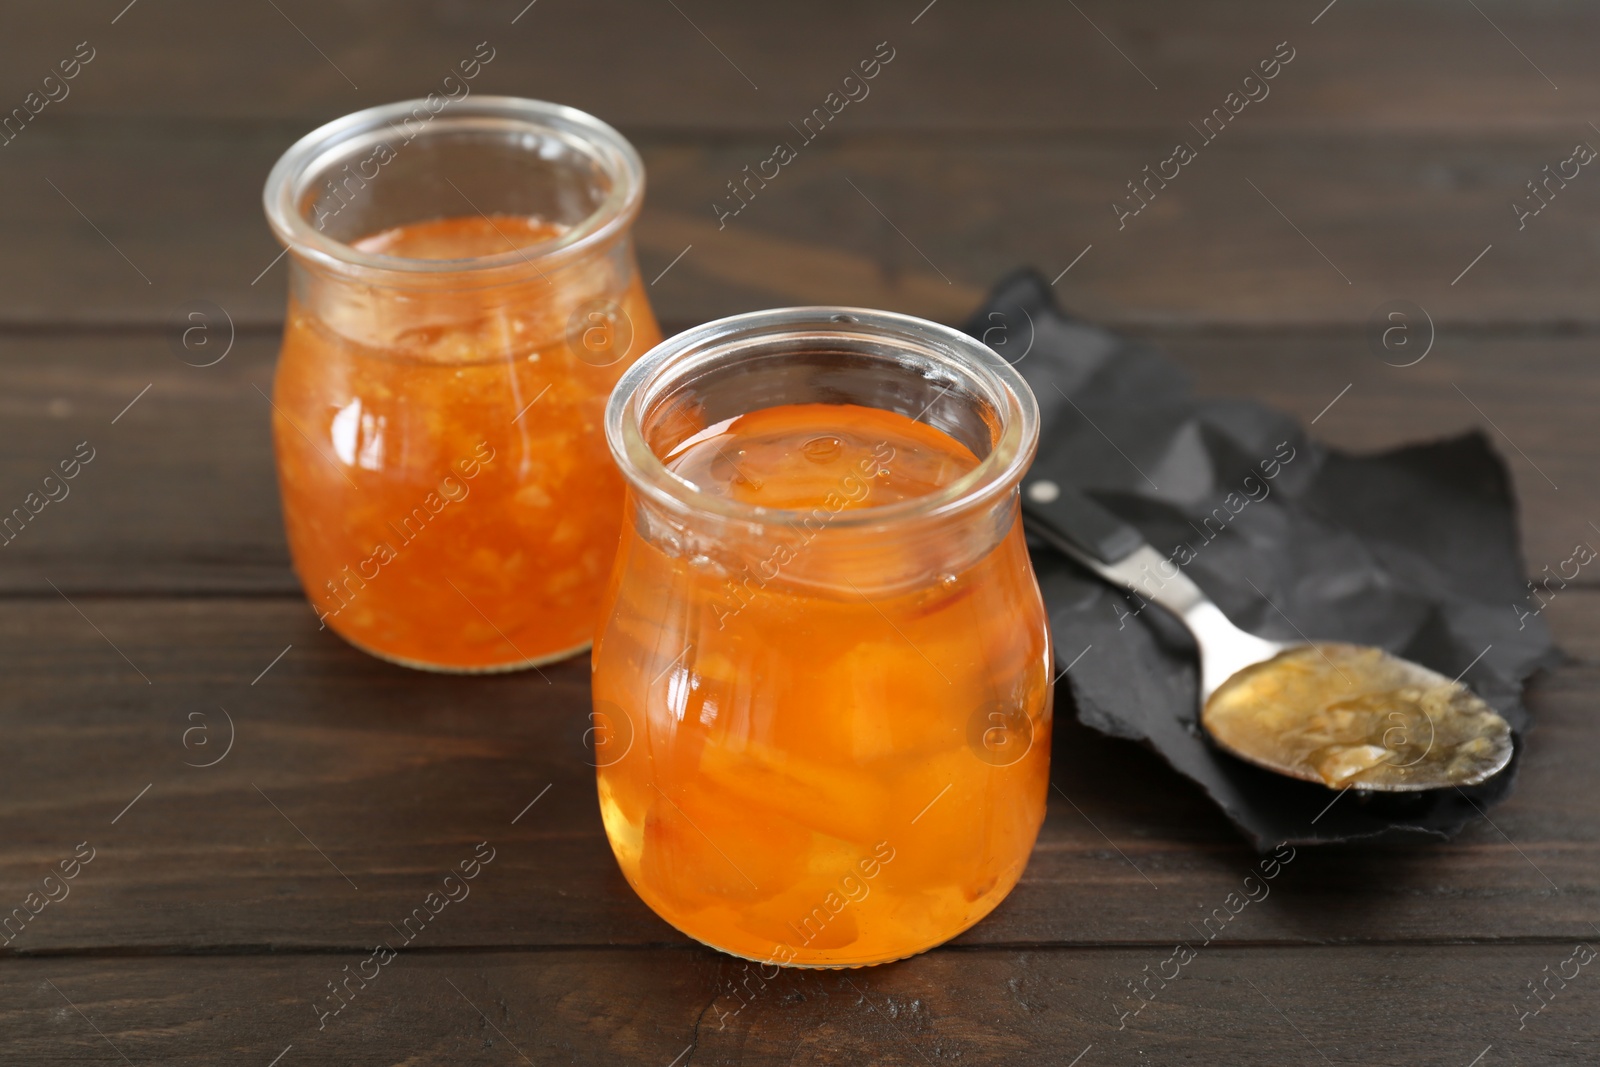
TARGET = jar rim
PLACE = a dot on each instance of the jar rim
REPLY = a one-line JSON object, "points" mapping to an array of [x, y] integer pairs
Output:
{"points": [[678, 358], [296, 168]]}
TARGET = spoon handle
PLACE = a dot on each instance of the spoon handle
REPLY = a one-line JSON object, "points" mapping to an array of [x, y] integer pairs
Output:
{"points": [[1077, 526], [1081, 528]]}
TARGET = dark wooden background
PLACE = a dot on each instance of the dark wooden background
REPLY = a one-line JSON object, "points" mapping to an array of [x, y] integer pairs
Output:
{"points": [[158, 592]]}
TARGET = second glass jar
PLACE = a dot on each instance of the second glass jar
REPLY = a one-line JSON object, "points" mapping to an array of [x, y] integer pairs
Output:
{"points": [[463, 296]]}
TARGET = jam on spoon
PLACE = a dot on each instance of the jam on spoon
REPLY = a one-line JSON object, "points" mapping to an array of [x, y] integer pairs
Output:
{"points": [[1347, 715], [1341, 715]]}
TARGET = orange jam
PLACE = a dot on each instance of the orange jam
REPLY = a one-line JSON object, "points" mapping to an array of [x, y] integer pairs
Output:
{"points": [[449, 498], [794, 768]]}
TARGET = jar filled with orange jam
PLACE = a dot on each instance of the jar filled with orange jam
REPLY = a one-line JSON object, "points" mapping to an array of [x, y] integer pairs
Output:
{"points": [[822, 695], [463, 296]]}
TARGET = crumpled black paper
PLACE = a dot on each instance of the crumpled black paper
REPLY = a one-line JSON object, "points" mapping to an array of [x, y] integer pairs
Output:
{"points": [[1414, 550]]}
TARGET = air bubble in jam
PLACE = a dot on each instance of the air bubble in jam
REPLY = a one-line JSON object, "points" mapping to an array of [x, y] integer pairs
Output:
{"points": [[1350, 716], [822, 449]]}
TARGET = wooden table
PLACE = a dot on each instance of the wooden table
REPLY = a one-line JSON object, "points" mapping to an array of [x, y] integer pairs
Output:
{"points": [[156, 599]]}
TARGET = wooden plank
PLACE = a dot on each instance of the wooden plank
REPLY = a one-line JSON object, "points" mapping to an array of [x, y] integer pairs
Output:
{"points": [[181, 495], [909, 222], [352, 785], [1505, 386], [180, 491], [1029, 65], [1435, 1006]]}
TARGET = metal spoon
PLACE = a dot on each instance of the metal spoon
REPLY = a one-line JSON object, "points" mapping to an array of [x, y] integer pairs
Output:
{"points": [[1340, 715]]}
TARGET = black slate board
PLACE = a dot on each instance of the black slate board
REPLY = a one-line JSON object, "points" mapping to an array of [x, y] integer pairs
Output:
{"points": [[1414, 550]]}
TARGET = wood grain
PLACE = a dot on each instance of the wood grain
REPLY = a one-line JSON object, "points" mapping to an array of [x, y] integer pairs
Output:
{"points": [[352, 785], [182, 498], [1033, 65], [1263, 229], [1235, 1005]]}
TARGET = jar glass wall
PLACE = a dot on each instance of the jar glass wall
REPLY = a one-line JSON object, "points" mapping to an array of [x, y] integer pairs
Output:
{"points": [[822, 695], [463, 296]]}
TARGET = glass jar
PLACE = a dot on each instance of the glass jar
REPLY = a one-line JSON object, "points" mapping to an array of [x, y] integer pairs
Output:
{"points": [[463, 295], [822, 695]]}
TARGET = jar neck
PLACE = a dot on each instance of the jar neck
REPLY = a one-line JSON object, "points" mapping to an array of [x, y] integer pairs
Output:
{"points": [[844, 542], [422, 162], [820, 556], [526, 306]]}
